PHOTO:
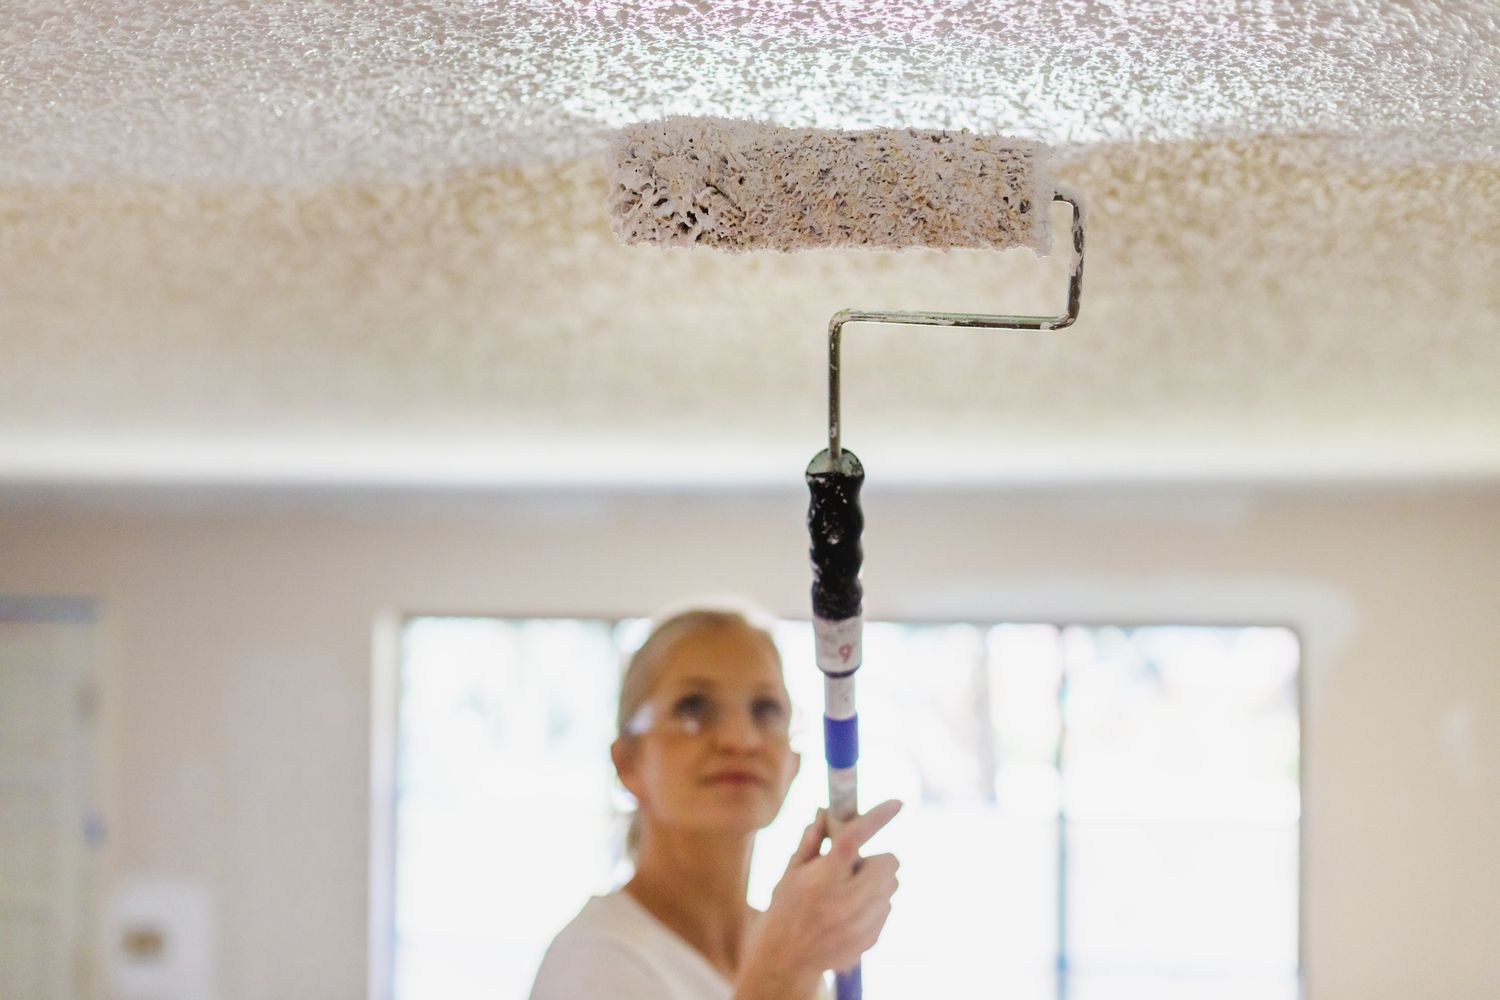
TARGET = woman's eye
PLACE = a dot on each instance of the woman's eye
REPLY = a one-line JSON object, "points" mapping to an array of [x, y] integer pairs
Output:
{"points": [[693, 706], [769, 710]]}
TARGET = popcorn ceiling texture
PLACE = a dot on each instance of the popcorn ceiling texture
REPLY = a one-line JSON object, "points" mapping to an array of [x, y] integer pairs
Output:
{"points": [[227, 92], [490, 327], [732, 185], [329, 241]]}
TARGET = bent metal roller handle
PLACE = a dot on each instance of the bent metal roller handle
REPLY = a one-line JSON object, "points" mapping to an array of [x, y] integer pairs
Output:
{"points": [[834, 522]]}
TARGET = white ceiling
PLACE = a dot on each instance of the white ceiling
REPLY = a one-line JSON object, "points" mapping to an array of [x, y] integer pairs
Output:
{"points": [[366, 243]]}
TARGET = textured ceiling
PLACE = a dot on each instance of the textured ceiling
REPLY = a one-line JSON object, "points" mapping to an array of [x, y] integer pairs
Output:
{"points": [[367, 242]]}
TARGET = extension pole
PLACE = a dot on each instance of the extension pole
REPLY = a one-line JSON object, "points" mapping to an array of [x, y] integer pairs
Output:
{"points": [[834, 522]]}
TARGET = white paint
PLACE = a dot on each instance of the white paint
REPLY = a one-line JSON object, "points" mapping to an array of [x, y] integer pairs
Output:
{"points": [[207, 91], [724, 184], [331, 244]]}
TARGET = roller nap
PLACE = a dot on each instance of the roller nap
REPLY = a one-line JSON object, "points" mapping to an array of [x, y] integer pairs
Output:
{"points": [[742, 186]]}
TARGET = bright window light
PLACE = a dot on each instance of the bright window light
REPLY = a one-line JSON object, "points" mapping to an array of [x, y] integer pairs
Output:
{"points": [[1091, 811]]}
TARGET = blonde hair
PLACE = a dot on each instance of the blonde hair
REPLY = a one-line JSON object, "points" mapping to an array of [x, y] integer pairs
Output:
{"points": [[643, 668]]}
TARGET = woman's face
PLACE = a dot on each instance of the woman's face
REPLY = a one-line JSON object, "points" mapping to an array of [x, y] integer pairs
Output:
{"points": [[713, 752]]}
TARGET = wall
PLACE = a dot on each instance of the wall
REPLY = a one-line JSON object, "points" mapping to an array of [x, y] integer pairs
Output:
{"points": [[239, 684]]}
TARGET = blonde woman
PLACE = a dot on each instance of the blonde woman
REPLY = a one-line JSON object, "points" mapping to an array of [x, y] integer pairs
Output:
{"points": [[703, 745]]}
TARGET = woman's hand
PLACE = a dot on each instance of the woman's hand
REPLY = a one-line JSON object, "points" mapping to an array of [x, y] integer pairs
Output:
{"points": [[827, 910]]}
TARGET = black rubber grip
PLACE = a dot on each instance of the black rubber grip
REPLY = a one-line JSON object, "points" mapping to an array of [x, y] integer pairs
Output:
{"points": [[835, 521]]}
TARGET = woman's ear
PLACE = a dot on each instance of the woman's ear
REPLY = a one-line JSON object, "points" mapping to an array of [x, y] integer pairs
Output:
{"points": [[622, 752]]}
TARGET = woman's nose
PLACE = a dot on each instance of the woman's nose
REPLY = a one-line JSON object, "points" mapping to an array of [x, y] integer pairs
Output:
{"points": [[737, 728]]}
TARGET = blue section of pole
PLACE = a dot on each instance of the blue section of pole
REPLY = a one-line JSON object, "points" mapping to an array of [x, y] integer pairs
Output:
{"points": [[848, 985], [841, 741]]}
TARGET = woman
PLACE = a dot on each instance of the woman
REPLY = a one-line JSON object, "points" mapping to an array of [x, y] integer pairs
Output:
{"points": [[703, 745]]}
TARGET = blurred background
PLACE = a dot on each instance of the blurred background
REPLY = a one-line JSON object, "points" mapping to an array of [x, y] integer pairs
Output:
{"points": [[343, 452]]}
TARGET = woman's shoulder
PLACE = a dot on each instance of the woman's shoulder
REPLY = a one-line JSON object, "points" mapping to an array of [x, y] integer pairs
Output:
{"points": [[609, 912], [596, 953], [613, 915]]}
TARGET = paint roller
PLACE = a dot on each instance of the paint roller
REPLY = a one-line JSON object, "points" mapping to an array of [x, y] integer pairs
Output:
{"points": [[744, 186]]}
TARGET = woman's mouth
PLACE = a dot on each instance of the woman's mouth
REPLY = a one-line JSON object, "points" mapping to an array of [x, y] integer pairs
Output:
{"points": [[734, 778]]}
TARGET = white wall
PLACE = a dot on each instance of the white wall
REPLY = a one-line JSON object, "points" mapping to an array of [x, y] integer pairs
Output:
{"points": [[238, 691]]}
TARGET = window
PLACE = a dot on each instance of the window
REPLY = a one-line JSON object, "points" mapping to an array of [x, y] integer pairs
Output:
{"points": [[1091, 811]]}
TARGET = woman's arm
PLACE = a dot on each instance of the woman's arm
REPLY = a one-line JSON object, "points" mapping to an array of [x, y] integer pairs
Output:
{"points": [[778, 984]]}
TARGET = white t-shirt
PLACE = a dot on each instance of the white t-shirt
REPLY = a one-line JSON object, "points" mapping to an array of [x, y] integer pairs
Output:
{"points": [[616, 949]]}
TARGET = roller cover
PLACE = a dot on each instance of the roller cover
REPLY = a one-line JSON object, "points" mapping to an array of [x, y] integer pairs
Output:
{"points": [[742, 186]]}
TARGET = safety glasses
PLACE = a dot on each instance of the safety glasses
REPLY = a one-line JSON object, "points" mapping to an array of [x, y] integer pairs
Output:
{"points": [[700, 713]]}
